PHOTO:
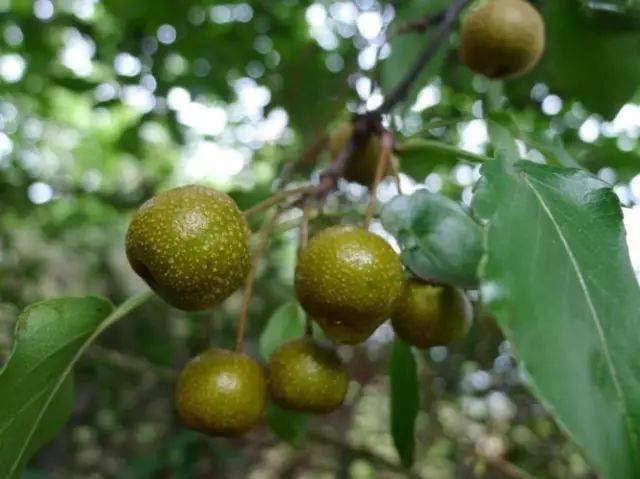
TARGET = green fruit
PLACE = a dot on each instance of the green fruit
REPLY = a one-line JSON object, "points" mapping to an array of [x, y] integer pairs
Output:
{"points": [[363, 164], [349, 333], [502, 38], [190, 244], [221, 393], [308, 377], [426, 315], [347, 279]]}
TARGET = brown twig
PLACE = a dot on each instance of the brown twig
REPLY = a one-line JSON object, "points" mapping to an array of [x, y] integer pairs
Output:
{"points": [[364, 453], [276, 199], [131, 363], [418, 24], [508, 469], [401, 90], [386, 148], [395, 170], [248, 289]]}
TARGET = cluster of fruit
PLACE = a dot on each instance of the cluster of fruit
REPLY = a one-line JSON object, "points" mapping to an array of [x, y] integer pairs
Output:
{"points": [[190, 245]]}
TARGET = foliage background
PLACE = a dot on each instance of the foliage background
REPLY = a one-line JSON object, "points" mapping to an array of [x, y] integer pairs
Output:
{"points": [[103, 103]]}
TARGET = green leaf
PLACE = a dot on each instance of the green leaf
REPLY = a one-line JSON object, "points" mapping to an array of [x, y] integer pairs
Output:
{"points": [[286, 323], [437, 238], [36, 381], [557, 276], [578, 63], [290, 426], [405, 400]]}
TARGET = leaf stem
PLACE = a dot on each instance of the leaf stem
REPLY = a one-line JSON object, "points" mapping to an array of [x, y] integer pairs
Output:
{"points": [[435, 145], [248, 290]]}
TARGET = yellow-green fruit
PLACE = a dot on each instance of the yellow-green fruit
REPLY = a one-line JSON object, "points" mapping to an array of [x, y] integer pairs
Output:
{"points": [[428, 315], [190, 244], [346, 333], [305, 376], [221, 393], [347, 279], [362, 166], [502, 38]]}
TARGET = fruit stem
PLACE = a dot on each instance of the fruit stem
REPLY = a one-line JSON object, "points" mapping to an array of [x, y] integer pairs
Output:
{"points": [[303, 241], [248, 290], [395, 169], [386, 148], [277, 198]]}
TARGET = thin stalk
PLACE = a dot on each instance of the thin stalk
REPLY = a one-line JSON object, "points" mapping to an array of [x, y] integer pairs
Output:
{"points": [[386, 148], [276, 199], [248, 290]]}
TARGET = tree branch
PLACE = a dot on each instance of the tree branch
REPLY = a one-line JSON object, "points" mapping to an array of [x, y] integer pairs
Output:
{"points": [[444, 28], [419, 24]]}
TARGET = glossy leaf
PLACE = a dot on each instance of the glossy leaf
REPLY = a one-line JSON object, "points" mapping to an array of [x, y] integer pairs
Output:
{"points": [[36, 382], [558, 278], [438, 239], [405, 400]]}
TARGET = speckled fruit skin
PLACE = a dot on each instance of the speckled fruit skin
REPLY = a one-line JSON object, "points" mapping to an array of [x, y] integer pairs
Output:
{"points": [[427, 315], [502, 38], [305, 376], [347, 279], [362, 166], [221, 393], [190, 244]]}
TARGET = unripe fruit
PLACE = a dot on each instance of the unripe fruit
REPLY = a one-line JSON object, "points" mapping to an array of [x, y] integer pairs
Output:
{"points": [[428, 315], [305, 376], [502, 38], [346, 333], [364, 162], [347, 279], [221, 393], [190, 244]]}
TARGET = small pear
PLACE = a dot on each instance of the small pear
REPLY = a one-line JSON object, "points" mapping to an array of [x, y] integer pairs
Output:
{"points": [[502, 38], [190, 244], [427, 315], [221, 393], [305, 376], [347, 280]]}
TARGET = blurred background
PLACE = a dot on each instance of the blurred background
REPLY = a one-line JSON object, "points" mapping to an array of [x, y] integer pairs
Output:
{"points": [[105, 102]]}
